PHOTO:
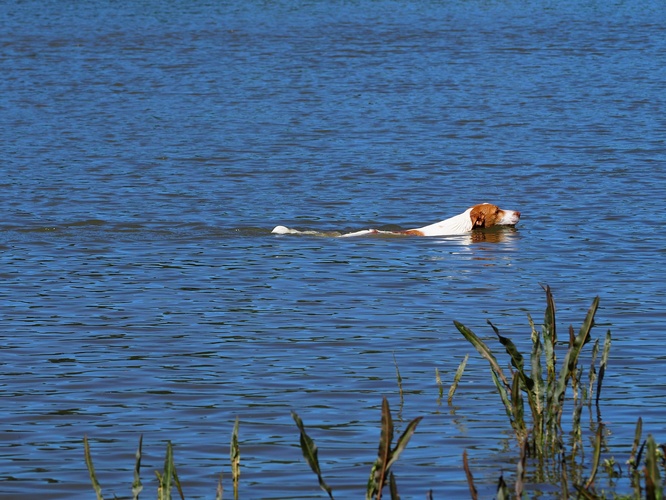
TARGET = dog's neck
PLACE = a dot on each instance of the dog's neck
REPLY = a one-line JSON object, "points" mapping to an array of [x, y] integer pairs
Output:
{"points": [[460, 224]]}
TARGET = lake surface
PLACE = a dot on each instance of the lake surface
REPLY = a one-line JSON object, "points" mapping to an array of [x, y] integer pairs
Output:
{"points": [[148, 149]]}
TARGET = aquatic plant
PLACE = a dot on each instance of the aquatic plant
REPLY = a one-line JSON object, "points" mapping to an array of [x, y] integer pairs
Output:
{"points": [[456, 379], [137, 487], [645, 482], [169, 473], [380, 474], [381, 469], [655, 457], [545, 395], [310, 452], [165, 478], [399, 380], [544, 439], [545, 399], [91, 469], [234, 457]]}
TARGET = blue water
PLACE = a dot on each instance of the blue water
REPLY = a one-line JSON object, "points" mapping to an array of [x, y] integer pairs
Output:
{"points": [[148, 149]]}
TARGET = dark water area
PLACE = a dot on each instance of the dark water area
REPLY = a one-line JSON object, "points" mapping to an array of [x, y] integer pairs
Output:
{"points": [[148, 149]]}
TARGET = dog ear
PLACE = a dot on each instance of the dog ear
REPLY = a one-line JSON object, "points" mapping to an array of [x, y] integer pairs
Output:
{"points": [[478, 217]]}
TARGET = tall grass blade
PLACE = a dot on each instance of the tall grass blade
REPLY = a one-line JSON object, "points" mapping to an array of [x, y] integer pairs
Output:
{"points": [[399, 378], [653, 488], [549, 315], [159, 485], [503, 492], [504, 395], [403, 440], [234, 457], [516, 357], [549, 332], [537, 371], [593, 372], [309, 449], [640, 453], [384, 452], [167, 475], [576, 430], [500, 380], [520, 468], [587, 325], [456, 378], [385, 455], [176, 481], [220, 490], [517, 407], [470, 480], [483, 349], [526, 383], [564, 477], [136, 485], [91, 469], [393, 487], [571, 358], [633, 460], [604, 363], [596, 456], [584, 494], [438, 381]]}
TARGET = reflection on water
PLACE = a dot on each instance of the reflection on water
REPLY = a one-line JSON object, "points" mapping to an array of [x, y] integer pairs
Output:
{"points": [[495, 235]]}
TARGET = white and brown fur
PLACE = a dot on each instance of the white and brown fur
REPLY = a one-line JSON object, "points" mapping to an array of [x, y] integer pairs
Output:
{"points": [[479, 216]]}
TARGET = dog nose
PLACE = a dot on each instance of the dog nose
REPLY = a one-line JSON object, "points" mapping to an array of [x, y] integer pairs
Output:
{"points": [[517, 214]]}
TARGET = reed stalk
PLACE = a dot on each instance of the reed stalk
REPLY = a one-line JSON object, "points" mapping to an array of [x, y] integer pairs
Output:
{"points": [[310, 453], [234, 457], [386, 456], [91, 469], [456, 379], [470, 479], [169, 477], [440, 385], [653, 486], [399, 379], [137, 487]]}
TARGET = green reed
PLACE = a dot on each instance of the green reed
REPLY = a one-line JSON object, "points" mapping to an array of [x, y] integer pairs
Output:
{"points": [[543, 389], [91, 469], [544, 392], [137, 486], [646, 482], [655, 458], [234, 459], [456, 379], [310, 453], [386, 456], [380, 474], [167, 479]]}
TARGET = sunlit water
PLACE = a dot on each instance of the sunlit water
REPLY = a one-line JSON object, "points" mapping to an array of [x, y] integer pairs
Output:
{"points": [[148, 150]]}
